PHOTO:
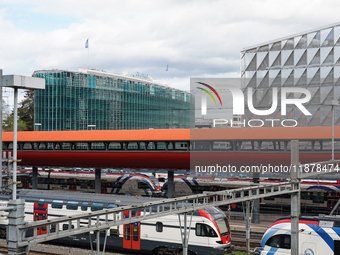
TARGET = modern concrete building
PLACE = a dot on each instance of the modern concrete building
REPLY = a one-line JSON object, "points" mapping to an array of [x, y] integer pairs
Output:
{"points": [[309, 59], [92, 99]]}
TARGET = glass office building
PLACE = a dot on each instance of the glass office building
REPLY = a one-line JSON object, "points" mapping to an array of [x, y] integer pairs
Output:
{"points": [[309, 60], [91, 99]]}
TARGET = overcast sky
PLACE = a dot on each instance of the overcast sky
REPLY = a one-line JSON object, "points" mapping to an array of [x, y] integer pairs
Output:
{"points": [[195, 38]]}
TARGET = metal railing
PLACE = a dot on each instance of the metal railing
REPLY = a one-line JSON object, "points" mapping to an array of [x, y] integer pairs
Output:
{"points": [[105, 219]]}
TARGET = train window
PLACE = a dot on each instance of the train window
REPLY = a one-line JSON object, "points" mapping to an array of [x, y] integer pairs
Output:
{"points": [[42, 181], [53, 227], [114, 233], [318, 197], [222, 146], [84, 206], [143, 185], [202, 146], [58, 204], [27, 146], [81, 146], [96, 207], [279, 241], [42, 146], [267, 145], [159, 226], [102, 233], [317, 146], [91, 184], [127, 231], [305, 195], [182, 146], [151, 146], [161, 146], [246, 146], [305, 145], [223, 226], [116, 185], [288, 146], [170, 146], [98, 146], [41, 203], [205, 230], [72, 205], [142, 146], [111, 206], [132, 146], [114, 146], [49, 146], [65, 146], [135, 234], [65, 226]]}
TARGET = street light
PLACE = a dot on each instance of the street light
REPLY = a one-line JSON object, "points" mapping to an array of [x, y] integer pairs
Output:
{"points": [[17, 82]]}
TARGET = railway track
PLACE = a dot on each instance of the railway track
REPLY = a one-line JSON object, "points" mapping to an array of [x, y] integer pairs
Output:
{"points": [[4, 250], [238, 239]]}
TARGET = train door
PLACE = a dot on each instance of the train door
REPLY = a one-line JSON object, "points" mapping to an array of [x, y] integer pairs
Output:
{"points": [[72, 184], [40, 213], [131, 234], [104, 187], [25, 182]]}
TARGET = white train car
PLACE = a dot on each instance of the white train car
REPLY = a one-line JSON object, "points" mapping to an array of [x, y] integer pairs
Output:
{"points": [[317, 235], [209, 232]]}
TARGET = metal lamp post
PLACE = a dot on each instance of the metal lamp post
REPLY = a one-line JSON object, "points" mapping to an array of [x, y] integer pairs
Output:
{"points": [[334, 103], [18, 82]]}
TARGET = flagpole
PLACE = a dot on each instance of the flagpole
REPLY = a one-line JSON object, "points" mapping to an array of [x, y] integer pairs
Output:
{"points": [[88, 56], [167, 70]]}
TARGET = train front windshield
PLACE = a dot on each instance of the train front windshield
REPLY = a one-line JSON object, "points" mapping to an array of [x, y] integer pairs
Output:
{"points": [[223, 226], [154, 180], [220, 219]]}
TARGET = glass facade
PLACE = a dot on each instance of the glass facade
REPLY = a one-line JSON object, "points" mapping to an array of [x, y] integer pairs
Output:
{"points": [[102, 101], [309, 60]]}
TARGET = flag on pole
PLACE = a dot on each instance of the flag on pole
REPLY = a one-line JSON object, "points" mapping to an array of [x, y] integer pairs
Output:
{"points": [[167, 68], [87, 44]]}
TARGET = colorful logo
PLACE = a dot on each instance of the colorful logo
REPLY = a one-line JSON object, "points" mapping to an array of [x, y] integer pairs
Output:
{"points": [[208, 92]]}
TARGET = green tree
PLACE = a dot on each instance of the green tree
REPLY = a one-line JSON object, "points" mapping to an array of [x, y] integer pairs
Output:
{"points": [[7, 124], [26, 110]]}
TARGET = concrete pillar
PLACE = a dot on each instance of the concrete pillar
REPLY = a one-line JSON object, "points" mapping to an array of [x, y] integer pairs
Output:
{"points": [[256, 202], [34, 177], [98, 180], [171, 187], [295, 198], [16, 219]]}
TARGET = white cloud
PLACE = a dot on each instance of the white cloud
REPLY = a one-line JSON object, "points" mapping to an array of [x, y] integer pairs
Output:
{"points": [[196, 38]]}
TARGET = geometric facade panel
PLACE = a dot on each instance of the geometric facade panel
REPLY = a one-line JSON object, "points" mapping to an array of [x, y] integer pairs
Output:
{"points": [[309, 60]]}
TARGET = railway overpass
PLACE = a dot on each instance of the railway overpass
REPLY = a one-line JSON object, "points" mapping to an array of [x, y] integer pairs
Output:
{"points": [[171, 149]]}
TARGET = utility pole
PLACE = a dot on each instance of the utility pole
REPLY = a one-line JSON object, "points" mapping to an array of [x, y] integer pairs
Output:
{"points": [[295, 197]]}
